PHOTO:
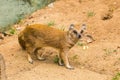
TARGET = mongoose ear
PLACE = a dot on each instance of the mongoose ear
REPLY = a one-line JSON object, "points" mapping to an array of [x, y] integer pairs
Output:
{"points": [[83, 28], [71, 27]]}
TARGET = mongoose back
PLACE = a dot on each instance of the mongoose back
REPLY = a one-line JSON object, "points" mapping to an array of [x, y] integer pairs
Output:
{"points": [[35, 37]]}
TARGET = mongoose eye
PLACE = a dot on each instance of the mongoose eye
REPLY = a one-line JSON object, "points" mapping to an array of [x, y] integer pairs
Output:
{"points": [[74, 31]]}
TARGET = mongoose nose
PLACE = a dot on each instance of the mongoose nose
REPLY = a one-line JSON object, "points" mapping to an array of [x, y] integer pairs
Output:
{"points": [[79, 36]]}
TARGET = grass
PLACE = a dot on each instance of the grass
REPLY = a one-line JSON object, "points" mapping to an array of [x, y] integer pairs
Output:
{"points": [[51, 23], [29, 1], [80, 44], [117, 76], [56, 59], [90, 14], [19, 17], [75, 57], [62, 28], [83, 45], [109, 51], [12, 31]]}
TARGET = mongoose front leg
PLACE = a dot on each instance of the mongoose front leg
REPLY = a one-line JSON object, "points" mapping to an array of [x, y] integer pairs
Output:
{"points": [[39, 52], [29, 58], [29, 52], [40, 57], [64, 56]]}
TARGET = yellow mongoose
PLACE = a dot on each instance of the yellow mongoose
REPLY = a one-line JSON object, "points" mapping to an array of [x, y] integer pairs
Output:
{"points": [[36, 36]]}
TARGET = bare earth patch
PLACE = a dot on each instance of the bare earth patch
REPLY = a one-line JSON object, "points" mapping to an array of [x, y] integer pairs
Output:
{"points": [[99, 60]]}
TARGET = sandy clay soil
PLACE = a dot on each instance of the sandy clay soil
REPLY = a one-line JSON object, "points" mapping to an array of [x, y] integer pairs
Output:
{"points": [[100, 60]]}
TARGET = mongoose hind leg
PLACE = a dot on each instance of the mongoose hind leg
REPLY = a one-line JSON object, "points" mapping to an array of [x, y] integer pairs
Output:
{"points": [[60, 62], [40, 54], [40, 57]]}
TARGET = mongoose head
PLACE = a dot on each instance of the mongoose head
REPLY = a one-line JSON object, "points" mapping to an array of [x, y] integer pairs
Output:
{"points": [[74, 33]]}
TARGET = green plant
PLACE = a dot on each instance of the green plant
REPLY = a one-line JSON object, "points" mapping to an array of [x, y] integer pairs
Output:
{"points": [[90, 14], [12, 31], [51, 23], [80, 44], [29, 1], [109, 51], [62, 28], [117, 76], [56, 59], [75, 57], [19, 17]]}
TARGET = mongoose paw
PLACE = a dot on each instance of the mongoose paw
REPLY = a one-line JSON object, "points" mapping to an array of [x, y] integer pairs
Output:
{"points": [[31, 62], [70, 67], [60, 64], [41, 58]]}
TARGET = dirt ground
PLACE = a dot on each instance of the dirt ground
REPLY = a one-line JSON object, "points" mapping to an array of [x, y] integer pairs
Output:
{"points": [[99, 61]]}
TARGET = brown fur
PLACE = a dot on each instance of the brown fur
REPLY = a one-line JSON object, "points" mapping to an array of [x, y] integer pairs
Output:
{"points": [[35, 37]]}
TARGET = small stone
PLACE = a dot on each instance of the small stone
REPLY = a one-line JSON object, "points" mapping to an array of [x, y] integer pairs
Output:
{"points": [[51, 5], [85, 47]]}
